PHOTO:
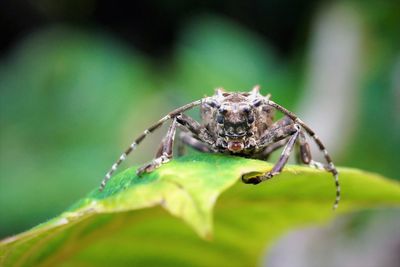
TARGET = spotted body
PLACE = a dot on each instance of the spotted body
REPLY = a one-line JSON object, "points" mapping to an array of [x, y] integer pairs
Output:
{"points": [[241, 124]]}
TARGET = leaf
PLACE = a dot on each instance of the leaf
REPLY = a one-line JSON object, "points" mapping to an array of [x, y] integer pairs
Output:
{"points": [[117, 227]]}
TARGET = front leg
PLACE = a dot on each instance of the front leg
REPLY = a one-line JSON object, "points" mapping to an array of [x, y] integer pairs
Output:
{"points": [[187, 139], [290, 130], [273, 139], [267, 151], [197, 131], [304, 155], [164, 153]]}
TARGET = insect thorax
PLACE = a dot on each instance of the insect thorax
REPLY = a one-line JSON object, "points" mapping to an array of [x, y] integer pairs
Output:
{"points": [[236, 120]]}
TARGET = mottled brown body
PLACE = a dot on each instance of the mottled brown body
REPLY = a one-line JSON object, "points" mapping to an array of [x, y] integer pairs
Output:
{"points": [[238, 123]]}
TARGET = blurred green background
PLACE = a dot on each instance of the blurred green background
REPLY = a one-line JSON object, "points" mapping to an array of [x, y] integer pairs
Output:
{"points": [[79, 80]]}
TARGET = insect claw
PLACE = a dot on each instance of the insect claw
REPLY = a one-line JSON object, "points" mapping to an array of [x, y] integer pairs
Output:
{"points": [[254, 180], [146, 168], [247, 179], [139, 172]]}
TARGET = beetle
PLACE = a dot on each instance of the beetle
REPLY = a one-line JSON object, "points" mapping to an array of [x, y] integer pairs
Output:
{"points": [[236, 123]]}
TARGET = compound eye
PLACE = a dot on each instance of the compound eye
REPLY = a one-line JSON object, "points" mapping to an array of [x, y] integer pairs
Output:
{"points": [[257, 102], [222, 110], [250, 119], [213, 104], [220, 119]]}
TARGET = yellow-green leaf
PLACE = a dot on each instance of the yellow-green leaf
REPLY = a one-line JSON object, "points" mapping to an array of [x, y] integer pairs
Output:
{"points": [[126, 224]]}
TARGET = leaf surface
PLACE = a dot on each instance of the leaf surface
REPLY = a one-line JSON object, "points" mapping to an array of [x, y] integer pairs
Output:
{"points": [[127, 223]]}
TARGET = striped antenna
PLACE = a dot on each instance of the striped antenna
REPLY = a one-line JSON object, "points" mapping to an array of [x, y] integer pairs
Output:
{"points": [[146, 132], [330, 167]]}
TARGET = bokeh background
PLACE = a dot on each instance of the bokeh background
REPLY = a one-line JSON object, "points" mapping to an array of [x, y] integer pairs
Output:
{"points": [[79, 80]]}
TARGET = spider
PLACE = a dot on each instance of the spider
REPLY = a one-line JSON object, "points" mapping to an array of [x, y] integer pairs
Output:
{"points": [[236, 123]]}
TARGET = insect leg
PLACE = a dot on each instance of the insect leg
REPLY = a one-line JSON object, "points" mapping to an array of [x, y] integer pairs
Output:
{"points": [[197, 131], [164, 153], [189, 124], [135, 143], [186, 124], [330, 166], [304, 152], [280, 163], [188, 139], [181, 148], [194, 134], [277, 134], [268, 150], [132, 147]]}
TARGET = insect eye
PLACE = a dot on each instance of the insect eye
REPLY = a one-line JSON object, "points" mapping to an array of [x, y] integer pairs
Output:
{"points": [[257, 102], [213, 104], [220, 119], [246, 110], [223, 110], [250, 119]]}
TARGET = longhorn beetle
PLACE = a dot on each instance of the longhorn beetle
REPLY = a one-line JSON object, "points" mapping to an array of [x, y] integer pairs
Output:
{"points": [[236, 123]]}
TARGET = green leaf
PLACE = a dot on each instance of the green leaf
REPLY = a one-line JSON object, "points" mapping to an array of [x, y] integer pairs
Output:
{"points": [[117, 227]]}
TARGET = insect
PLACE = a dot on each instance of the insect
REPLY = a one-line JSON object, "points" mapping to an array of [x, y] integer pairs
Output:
{"points": [[238, 123]]}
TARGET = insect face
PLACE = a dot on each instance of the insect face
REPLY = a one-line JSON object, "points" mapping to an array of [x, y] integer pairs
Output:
{"points": [[235, 121]]}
